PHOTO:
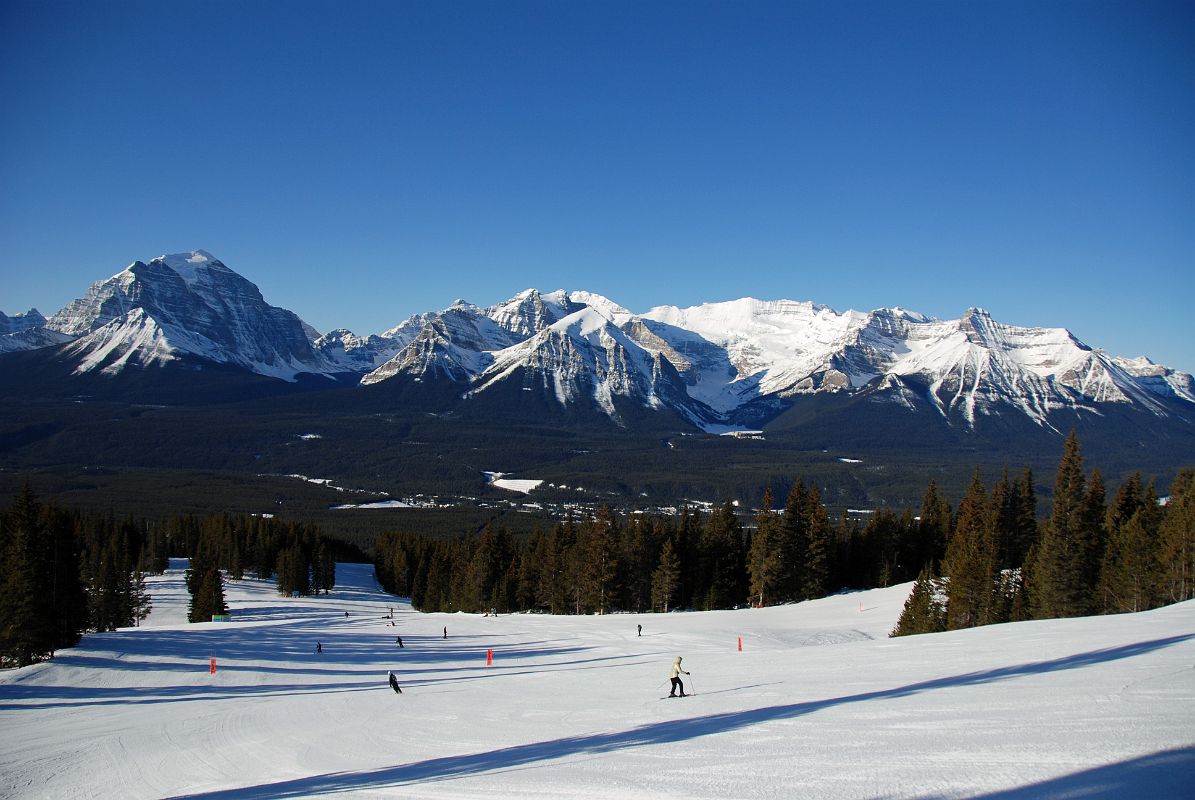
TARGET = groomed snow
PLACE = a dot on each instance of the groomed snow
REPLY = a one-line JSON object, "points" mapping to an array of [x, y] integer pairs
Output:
{"points": [[818, 704], [374, 505], [521, 485]]}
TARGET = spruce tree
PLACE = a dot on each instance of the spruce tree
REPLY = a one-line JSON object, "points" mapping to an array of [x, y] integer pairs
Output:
{"points": [[67, 597], [1128, 580], [934, 527], [1060, 586], [1024, 533], [923, 611], [764, 558], [552, 591], [794, 544], [26, 615], [969, 559], [1176, 540], [721, 544], [666, 579], [600, 561], [819, 546]]}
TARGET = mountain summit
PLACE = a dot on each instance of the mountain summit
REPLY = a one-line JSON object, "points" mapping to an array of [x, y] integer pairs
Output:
{"points": [[179, 305]]}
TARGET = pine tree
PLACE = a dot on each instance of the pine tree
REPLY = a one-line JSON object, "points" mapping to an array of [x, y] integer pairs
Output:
{"points": [[204, 580], [819, 545], [553, 574], [764, 558], [923, 611], [139, 599], [1093, 540], [598, 560], [666, 579], [1024, 533], [26, 621], [1176, 540], [794, 544], [323, 569], [721, 544], [67, 598], [1060, 586], [969, 559], [934, 527], [1128, 580], [209, 600]]}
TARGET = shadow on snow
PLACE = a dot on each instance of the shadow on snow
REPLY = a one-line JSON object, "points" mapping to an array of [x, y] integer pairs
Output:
{"points": [[673, 731]]}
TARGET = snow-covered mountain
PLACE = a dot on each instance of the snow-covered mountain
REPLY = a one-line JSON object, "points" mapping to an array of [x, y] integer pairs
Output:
{"points": [[184, 305], [27, 331], [719, 366], [21, 322], [733, 359]]}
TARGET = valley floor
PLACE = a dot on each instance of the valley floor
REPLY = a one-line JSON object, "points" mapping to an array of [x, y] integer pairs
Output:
{"points": [[817, 704]]}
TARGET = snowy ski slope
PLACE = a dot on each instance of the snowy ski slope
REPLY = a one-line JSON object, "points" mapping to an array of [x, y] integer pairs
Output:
{"points": [[818, 704]]}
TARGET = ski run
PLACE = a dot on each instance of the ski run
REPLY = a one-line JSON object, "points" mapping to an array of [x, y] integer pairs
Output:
{"points": [[818, 703]]}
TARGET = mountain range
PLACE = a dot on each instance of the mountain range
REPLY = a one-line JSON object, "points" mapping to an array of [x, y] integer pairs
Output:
{"points": [[175, 385], [717, 367]]}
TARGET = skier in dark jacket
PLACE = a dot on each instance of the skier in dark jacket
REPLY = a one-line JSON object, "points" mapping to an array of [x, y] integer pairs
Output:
{"points": [[394, 684], [319, 648], [677, 671], [398, 640]]}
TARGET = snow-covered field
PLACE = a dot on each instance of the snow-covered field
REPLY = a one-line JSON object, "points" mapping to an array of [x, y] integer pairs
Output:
{"points": [[818, 704]]}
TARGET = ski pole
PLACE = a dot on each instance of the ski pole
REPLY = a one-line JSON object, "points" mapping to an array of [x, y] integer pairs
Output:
{"points": [[692, 684]]}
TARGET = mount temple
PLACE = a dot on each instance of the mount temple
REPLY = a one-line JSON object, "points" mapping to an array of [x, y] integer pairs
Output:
{"points": [[740, 364]]}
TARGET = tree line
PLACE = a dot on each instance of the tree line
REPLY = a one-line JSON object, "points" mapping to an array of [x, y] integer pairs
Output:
{"points": [[64, 573], [641, 563], [1089, 556], [296, 555], [991, 560]]}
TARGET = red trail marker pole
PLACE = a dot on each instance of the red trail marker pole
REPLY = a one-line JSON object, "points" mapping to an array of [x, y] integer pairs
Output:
{"points": [[740, 644], [489, 658], [212, 666]]}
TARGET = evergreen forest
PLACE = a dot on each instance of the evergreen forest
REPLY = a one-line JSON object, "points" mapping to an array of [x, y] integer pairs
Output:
{"points": [[64, 573], [992, 559]]}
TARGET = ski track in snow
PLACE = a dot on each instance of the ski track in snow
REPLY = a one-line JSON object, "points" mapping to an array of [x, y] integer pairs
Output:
{"points": [[819, 703]]}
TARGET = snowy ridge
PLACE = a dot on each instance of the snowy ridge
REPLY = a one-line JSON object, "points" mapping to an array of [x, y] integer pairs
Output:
{"points": [[27, 331], [582, 355]]}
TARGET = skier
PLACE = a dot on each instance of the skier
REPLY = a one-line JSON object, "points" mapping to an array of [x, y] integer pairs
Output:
{"points": [[445, 631], [640, 630], [677, 671], [394, 684], [398, 640], [319, 648]]}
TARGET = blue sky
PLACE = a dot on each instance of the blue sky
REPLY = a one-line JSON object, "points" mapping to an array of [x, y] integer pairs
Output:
{"points": [[364, 161]]}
